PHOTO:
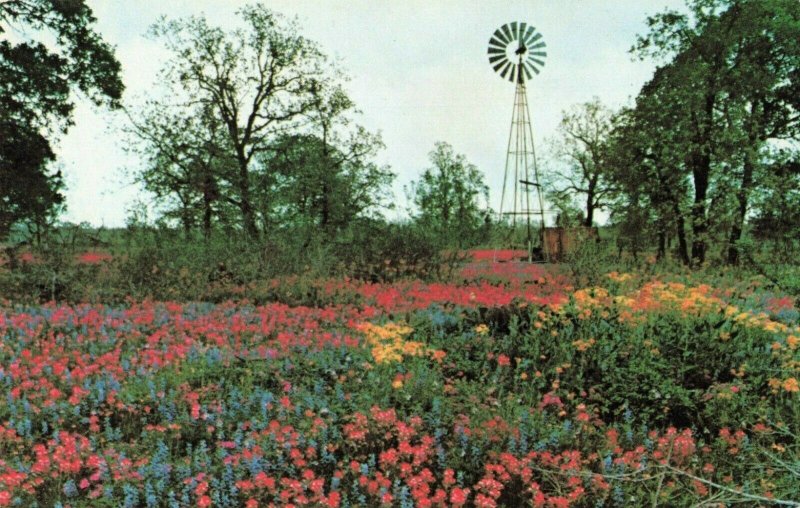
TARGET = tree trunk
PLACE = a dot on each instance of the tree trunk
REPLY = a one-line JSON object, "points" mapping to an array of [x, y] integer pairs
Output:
{"points": [[700, 161], [662, 241], [589, 209], [208, 200], [590, 198], [680, 226], [699, 219], [245, 203], [743, 194], [742, 197]]}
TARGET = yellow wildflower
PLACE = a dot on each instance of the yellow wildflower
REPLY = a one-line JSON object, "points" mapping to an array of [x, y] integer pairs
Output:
{"points": [[583, 345], [790, 385], [388, 342]]}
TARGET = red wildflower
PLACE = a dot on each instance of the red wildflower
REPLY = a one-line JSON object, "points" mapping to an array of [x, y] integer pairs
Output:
{"points": [[458, 496]]}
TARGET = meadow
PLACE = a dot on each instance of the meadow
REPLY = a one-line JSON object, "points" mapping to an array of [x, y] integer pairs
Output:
{"points": [[509, 384]]}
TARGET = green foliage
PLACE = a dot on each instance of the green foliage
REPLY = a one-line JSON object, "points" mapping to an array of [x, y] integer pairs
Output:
{"points": [[36, 103], [292, 160], [386, 252], [251, 86], [447, 198], [582, 145], [589, 261], [724, 95], [670, 369], [313, 185], [149, 262]]}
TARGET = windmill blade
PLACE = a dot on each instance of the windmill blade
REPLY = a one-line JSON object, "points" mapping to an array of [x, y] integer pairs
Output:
{"points": [[521, 35], [540, 63], [528, 37], [495, 58], [536, 60], [499, 35], [527, 70], [507, 68], [503, 61], [496, 43], [507, 32], [529, 67]]}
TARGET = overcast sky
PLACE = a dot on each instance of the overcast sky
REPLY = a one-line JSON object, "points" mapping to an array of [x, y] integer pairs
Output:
{"points": [[418, 68]]}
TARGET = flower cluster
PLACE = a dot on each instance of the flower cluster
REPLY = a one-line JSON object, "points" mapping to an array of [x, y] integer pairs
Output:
{"points": [[490, 392]]}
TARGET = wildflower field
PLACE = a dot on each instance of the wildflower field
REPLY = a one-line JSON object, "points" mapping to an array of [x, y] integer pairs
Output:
{"points": [[505, 387]]}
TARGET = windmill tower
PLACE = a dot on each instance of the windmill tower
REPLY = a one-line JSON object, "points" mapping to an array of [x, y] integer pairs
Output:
{"points": [[516, 52]]}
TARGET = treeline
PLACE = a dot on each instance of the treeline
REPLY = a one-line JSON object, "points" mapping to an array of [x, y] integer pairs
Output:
{"points": [[709, 150], [249, 134], [248, 141]]}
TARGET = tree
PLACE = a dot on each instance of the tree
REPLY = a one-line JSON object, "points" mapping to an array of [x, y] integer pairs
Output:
{"points": [[447, 196], [324, 174], [730, 83], [323, 186], [763, 85], [777, 217], [185, 159], [582, 145], [27, 190], [37, 82], [259, 81], [648, 175], [305, 161]]}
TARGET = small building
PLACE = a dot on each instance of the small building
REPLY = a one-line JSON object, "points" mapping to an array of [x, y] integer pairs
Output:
{"points": [[560, 242]]}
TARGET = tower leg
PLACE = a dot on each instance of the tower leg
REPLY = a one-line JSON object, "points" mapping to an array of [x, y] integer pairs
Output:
{"points": [[521, 171]]}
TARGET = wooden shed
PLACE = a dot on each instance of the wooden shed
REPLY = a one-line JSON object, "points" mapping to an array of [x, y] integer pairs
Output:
{"points": [[559, 241]]}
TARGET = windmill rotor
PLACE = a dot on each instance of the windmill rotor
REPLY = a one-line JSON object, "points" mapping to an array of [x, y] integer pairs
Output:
{"points": [[517, 52]]}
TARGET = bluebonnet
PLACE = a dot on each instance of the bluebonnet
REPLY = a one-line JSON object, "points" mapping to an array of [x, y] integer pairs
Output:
{"points": [[150, 495], [131, 495], [70, 489]]}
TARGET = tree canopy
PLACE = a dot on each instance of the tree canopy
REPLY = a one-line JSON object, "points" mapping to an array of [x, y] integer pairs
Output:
{"points": [[448, 196], [725, 92], [254, 122], [37, 85], [581, 146]]}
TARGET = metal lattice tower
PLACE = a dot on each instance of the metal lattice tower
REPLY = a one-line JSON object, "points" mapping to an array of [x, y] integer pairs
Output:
{"points": [[516, 52]]}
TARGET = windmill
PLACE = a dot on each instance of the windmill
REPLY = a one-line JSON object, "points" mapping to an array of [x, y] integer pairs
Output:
{"points": [[517, 52]]}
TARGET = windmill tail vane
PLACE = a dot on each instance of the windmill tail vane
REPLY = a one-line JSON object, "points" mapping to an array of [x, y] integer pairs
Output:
{"points": [[517, 52]]}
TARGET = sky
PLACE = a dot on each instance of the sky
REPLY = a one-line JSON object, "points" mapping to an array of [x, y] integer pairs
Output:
{"points": [[418, 72]]}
